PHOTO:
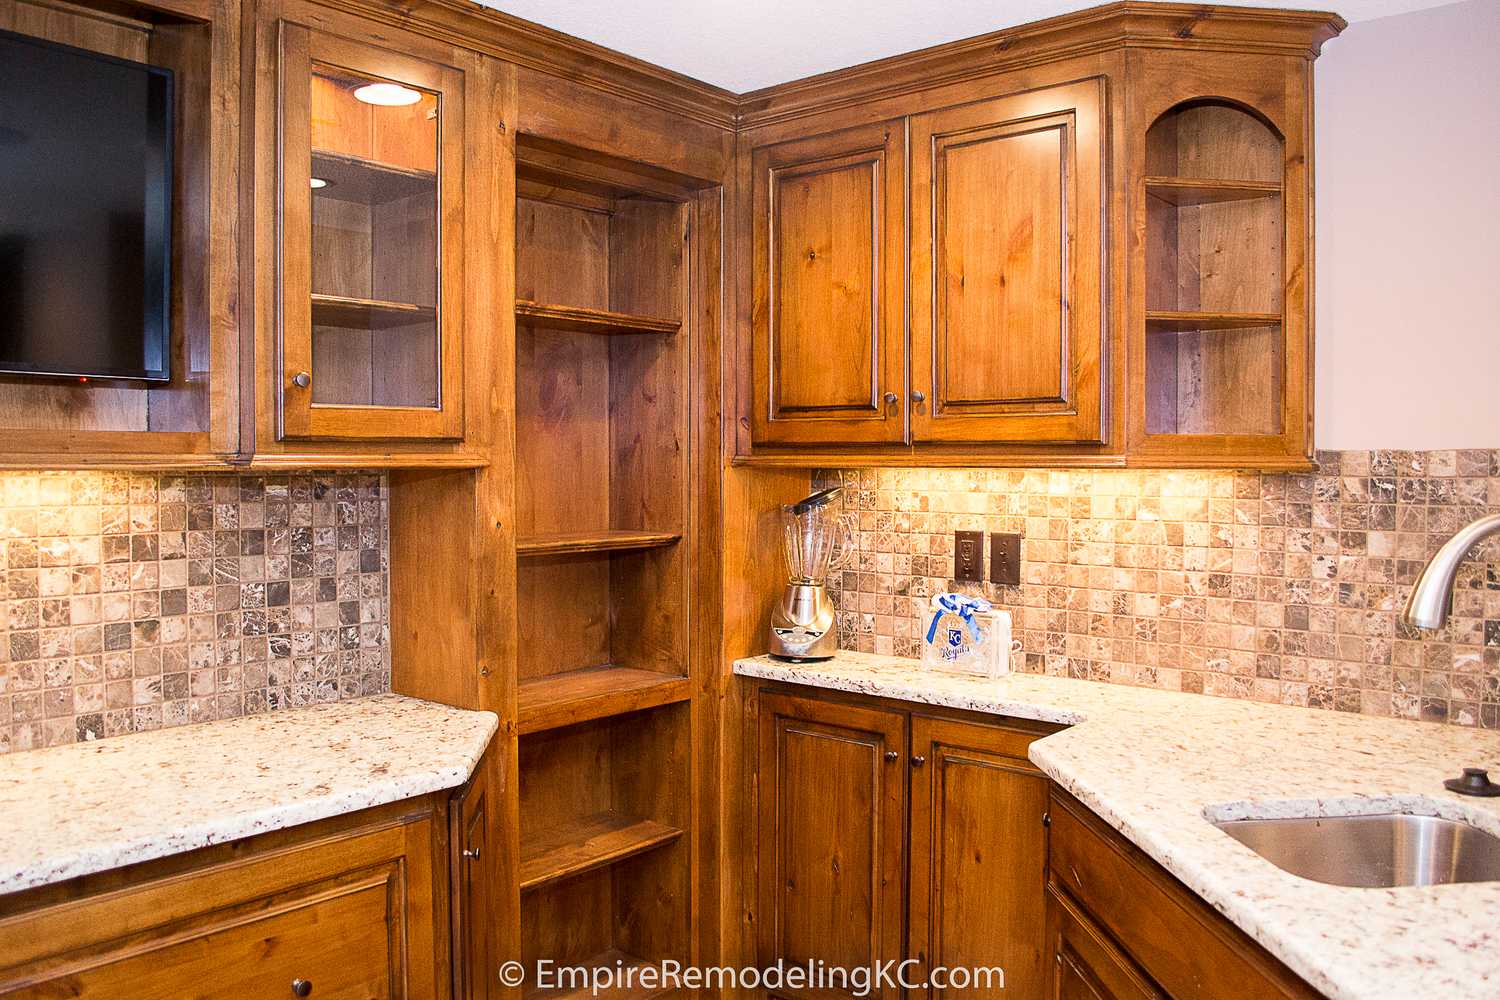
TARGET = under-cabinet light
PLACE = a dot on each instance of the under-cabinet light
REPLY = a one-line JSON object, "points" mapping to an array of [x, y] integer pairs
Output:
{"points": [[390, 95], [318, 182]]}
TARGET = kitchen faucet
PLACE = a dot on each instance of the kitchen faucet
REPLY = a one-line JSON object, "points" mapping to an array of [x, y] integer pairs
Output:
{"points": [[1431, 600]]}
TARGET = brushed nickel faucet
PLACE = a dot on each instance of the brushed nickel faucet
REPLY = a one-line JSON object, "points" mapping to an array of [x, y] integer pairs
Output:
{"points": [[1431, 600]]}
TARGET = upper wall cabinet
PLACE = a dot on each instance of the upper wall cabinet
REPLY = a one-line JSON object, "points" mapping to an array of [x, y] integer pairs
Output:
{"points": [[828, 313], [1007, 328], [371, 172], [1222, 344]]}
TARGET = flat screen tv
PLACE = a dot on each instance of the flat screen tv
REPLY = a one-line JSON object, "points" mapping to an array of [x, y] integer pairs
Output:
{"points": [[85, 213]]}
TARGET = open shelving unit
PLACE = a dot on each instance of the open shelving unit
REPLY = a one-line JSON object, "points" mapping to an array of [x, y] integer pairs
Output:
{"points": [[1214, 272], [602, 560]]}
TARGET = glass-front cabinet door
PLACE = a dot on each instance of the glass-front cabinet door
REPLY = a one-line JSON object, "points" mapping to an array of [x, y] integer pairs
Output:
{"points": [[370, 241]]}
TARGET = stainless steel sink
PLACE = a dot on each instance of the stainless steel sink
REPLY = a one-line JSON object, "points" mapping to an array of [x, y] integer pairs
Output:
{"points": [[1372, 851]]}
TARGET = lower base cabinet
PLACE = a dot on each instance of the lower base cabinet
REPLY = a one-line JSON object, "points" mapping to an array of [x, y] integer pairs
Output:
{"points": [[351, 908], [1120, 927], [872, 819]]}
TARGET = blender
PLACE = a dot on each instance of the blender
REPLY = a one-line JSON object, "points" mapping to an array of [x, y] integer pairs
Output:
{"points": [[815, 541]]}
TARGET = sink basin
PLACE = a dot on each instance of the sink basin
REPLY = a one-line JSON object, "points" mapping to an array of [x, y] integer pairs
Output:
{"points": [[1372, 851]]}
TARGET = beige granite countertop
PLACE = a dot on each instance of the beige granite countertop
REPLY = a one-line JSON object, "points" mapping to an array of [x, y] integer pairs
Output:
{"points": [[88, 807], [1156, 764]]}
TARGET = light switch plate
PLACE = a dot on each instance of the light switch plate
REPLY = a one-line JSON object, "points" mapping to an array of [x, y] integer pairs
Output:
{"points": [[1005, 559], [968, 556]]}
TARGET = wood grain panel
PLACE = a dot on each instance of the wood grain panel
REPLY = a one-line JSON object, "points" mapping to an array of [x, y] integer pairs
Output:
{"points": [[978, 855], [831, 834], [1008, 341], [827, 322]]}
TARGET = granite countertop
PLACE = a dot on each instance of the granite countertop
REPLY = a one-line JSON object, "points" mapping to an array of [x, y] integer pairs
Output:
{"points": [[1156, 765], [88, 807]]}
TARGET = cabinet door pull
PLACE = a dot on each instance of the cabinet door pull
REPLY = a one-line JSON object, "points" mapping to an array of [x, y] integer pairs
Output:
{"points": [[302, 987], [472, 853], [917, 395], [302, 380], [891, 755], [918, 760], [891, 398]]}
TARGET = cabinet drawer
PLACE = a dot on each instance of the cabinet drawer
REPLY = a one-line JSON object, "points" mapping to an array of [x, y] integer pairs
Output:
{"points": [[345, 913], [1186, 946]]}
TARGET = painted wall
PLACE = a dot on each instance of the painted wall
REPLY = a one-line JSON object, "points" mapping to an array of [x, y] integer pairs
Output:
{"points": [[1408, 231]]}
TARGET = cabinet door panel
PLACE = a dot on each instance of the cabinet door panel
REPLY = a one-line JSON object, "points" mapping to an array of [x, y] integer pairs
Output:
{"points": [[1008, 337], [827, 279], [474, 875], [1086, 965], [832, 818], [371, 255], [978, 855]]}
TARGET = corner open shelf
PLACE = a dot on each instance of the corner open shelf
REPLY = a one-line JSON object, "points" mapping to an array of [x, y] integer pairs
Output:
{"points": [[603, 596], [575, 319], [604, 540], [1188, 191], [586, 844], [1172, 319], [594, 693]]}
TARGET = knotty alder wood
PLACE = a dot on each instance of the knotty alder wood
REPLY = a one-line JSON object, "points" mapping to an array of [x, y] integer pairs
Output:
{"points": [[563, 699], [831, 835], [355, 904], [578, 320], [583, 845], [1007, 262], [828, 294], [1180, 941], [978, 854], [618, 540], [1086, 964], [1221, 346]]}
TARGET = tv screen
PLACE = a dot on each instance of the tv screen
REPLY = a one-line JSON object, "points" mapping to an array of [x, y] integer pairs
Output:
{"points": [[85, 212]]}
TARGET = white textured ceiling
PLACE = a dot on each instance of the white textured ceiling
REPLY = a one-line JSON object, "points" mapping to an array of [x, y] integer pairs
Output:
{"points": [[746, 44]]}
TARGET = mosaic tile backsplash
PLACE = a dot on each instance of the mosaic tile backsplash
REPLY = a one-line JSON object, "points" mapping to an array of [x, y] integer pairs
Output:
{"points": [[133, 601], [1275, 587]]}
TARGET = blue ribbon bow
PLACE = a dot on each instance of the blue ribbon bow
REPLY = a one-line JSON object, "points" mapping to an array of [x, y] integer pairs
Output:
{"points": [[965, 607]]}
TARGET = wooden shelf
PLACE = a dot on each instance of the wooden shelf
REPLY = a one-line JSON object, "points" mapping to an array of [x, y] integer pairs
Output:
{"points": [[369, 182], [1193, 191], [578, 320], [1164, 319], [594, 693], [593, 541], [373, 314], [581, 846], [626, 967]]}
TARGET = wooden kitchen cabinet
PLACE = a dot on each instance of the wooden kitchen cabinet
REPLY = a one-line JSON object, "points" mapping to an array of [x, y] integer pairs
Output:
{"points": [[1122, 926], [828, 313], [978, 854], [1087, 965], [1008, 340], [833, 780], [350, 907], [372, 240], [832, 835]]}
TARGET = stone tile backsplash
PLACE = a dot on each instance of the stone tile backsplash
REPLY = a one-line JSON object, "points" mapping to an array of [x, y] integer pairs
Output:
{"points": [[132, 601], [1277, 587]]}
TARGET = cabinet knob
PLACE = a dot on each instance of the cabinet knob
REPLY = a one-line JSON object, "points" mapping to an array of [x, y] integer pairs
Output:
{"points": [[302, 987], [302, 380], [891, 755], [891, 398], [917, 395], [472, 853], [918, 760]]}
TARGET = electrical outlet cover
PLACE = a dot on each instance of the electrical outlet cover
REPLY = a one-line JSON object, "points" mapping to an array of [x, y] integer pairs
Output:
{"points": [[968, 556], [1005, 559]]}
